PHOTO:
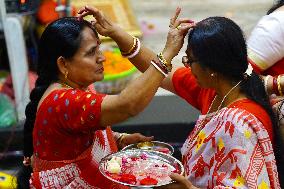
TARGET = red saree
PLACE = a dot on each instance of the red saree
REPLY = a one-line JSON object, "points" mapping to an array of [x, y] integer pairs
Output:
{"points": [[69, 143]]}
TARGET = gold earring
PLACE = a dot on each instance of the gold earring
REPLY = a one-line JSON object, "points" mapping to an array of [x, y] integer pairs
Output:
{"points": [[66, 75]]}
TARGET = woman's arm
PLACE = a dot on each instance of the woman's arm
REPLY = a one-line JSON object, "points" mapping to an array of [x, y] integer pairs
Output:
{"points": [[133, 99], [138, 94], [265, 44], [125, 41]]}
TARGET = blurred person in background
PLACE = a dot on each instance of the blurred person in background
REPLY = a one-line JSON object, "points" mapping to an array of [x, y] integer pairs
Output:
{"points": [[266, 55]]}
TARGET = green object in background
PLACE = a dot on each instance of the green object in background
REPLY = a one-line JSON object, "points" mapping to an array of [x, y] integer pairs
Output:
{"points": [[116, 50], [7, 112], [120, 75]]}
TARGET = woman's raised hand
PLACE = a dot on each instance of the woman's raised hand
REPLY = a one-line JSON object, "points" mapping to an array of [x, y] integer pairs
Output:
{"points": [[102, 23], [178, 30]]}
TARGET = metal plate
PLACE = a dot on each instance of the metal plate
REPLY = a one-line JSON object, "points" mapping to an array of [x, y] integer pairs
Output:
{"points": [[153, 145], [151, 160]]}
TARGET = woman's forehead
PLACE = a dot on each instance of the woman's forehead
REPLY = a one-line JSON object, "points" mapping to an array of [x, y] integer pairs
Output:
{"points": [[89, 37], [88, 34]]}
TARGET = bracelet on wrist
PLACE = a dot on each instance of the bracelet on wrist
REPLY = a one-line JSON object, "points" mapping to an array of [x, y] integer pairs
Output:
{"points": [[120, 138], [164, 61], [135, 49], [131, 49], [160, 67], [266, 83], [279, 85], [275, 86]]}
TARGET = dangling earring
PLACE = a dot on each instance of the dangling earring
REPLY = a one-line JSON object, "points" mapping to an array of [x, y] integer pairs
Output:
{"points": [[66, 75], [212, 74]]}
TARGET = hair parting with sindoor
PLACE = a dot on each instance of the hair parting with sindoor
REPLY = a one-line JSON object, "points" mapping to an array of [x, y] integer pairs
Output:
{"points": [[219, 44], [60, 38]]}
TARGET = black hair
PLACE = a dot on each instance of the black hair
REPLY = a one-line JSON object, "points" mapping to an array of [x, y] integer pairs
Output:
{"points": [[278, 4], [60, 38], [219, 44]]}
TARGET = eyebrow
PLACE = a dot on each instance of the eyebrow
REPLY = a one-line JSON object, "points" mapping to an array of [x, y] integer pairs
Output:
{"points": [[92, 48]]}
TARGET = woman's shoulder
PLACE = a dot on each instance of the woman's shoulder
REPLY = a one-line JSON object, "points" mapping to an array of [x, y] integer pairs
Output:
{"points": [[247, 108], [67, 95], [252, 108], [247, 114], [272, 19]]}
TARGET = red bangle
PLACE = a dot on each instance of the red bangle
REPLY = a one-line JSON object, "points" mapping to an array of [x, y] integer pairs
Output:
{"points": [[275, 86], [161, 66]]}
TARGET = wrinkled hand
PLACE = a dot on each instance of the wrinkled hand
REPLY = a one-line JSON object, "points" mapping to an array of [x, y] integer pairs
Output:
{"points": [[177, 32], [102, 23], [275, 99], [181, 183], [134, 138]]}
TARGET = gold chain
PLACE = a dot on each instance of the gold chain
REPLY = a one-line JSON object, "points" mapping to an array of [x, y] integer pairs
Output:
{"points": [[218, 106], [65, 85]]}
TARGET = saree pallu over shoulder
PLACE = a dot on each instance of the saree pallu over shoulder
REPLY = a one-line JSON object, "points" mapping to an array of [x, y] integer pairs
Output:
{"points": [[81, 172], [230, 149]]}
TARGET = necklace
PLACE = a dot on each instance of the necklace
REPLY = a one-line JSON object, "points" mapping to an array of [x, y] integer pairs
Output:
{"points": [[65, 85], [201, 125], [224, 98]]}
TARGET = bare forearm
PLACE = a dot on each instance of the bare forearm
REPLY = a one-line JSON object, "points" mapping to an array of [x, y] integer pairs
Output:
{"points": [[141, 90], [132, 100], [125, 41]]}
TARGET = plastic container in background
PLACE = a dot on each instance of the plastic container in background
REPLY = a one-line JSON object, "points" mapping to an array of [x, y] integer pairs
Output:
{"points": [[118, 72], [8, 116]]}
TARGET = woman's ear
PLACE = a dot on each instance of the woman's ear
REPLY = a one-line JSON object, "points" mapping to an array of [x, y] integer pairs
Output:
{"points": [[62, 65], [210, 73]]}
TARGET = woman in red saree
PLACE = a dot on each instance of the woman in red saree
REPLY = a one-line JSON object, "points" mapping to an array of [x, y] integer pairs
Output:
{"points": [[232, 143], [66, 132]]}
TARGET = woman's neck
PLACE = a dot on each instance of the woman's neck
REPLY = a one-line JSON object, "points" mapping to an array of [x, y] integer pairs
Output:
{"points": [[228, 92], [67, 83]]}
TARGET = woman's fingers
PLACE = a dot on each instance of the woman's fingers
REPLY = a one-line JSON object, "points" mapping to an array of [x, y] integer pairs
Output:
{"points": [[93, 22], [97, 14], [146, 139], [175, 16], [86, 11], [90, 11], [177, 177], [181, 179], [276, 100], [81, 10], [143, 138], [180, 21]]}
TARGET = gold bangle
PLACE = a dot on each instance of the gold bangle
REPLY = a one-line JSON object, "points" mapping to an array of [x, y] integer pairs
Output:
{"points": [[131, 49], [279, 85], [164, 61], [161, 56], [266, 83], [121, 137]]}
